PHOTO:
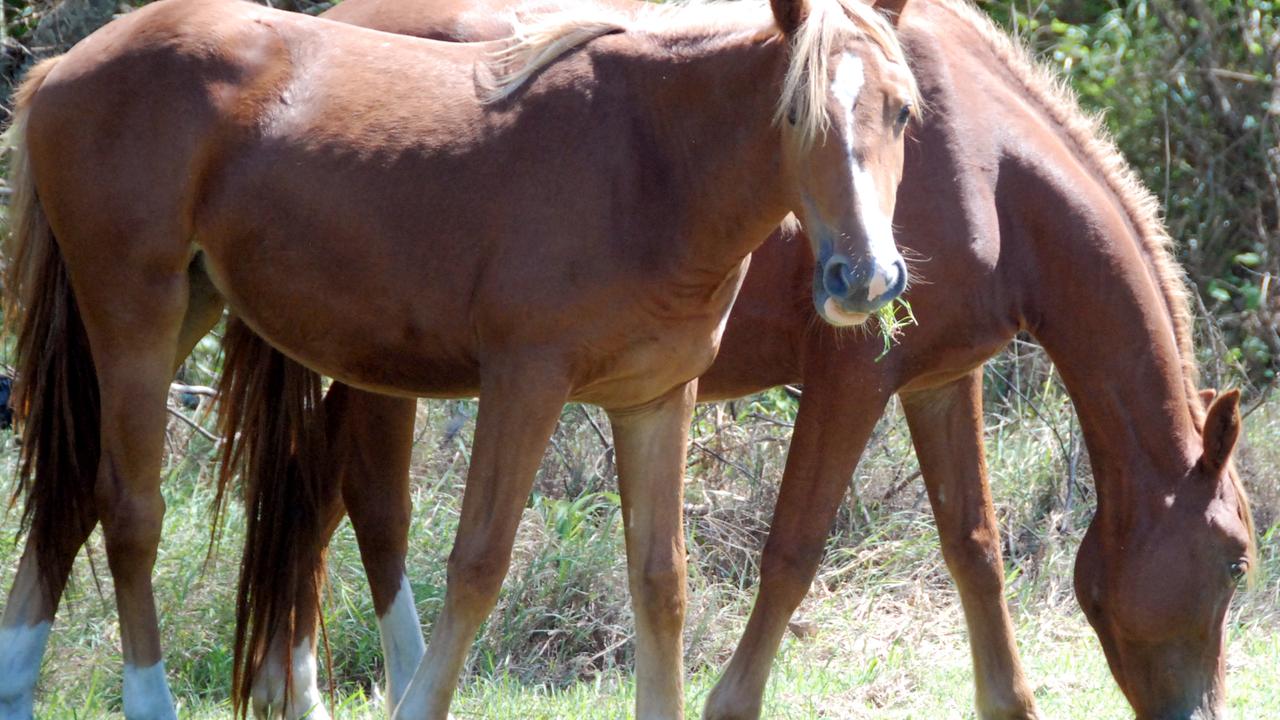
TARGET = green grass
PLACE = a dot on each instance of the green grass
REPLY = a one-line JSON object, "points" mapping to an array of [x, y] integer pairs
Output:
{"points": [[888, 638]]}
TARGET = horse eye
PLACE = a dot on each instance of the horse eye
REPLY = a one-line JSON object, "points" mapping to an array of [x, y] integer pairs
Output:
{"points": [[1238, 569], [791, 114], [904, 114]]}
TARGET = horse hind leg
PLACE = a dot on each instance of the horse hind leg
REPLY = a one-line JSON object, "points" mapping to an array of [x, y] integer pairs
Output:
{"points": [[134, 316], [43, 574], [519, 407], [370, 442], [373, 440]]}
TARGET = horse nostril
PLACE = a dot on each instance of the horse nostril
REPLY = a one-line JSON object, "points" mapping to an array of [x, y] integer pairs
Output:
{"points": [[837, 276], [900, 278]]}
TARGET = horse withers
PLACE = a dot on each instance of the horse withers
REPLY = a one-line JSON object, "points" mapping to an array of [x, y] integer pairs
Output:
{"points": [[563, 216]]}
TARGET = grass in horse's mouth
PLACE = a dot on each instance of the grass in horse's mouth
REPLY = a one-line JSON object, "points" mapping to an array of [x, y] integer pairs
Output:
{"points": [[890, 320]]}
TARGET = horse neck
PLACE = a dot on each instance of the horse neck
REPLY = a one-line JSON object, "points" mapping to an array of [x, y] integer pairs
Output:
{"points": [[1070, 258], [1092, 299], [715, 146]]}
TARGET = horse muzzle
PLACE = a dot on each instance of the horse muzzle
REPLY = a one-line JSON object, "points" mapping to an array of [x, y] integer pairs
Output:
{"points": [[845, 293]]}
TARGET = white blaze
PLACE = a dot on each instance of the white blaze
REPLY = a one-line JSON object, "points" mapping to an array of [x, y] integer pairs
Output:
{"points": [[876, 226]]}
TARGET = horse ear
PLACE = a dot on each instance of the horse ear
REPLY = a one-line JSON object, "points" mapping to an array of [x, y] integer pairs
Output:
{"points": [[789, 14], [891, 9], [1207, 395], [1221, 430]]}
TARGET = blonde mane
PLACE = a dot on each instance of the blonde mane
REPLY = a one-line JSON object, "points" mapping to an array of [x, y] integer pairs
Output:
{"points": [[539, 39], [1094, 144]]}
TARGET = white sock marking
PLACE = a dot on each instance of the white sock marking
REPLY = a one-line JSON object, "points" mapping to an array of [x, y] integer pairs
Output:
{"points": [[305, 700], [146, 693], [21, 649], [402, 643]]}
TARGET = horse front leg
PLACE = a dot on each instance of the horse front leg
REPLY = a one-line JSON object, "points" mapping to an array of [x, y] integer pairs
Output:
{"points": [[946, 429], [519, 407], [833, 425], [650, 445]]}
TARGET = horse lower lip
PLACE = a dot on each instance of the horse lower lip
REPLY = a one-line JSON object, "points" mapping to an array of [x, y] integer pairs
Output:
{"points": [[832, 311]]}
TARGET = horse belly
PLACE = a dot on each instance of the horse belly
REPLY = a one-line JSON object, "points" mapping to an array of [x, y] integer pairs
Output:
{"points": [[356, 319]]}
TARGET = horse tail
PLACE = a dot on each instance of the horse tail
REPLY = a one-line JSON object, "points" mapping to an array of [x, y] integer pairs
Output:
{"points": [[56, 387], [271, 416]]}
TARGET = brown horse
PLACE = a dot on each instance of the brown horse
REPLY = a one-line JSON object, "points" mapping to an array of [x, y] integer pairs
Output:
{"points": [[565, 216], [1030, 221]]}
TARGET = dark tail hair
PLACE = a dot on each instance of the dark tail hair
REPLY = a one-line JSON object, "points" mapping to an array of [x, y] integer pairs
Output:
{"points": [[272, 419], [56, 387]]}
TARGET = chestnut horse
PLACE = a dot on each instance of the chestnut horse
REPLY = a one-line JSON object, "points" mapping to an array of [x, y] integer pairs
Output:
{"points": [[1030, 220], [564, 216]]}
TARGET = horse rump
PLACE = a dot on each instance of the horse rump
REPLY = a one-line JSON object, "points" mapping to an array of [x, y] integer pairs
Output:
{"points": [[55, 399]]}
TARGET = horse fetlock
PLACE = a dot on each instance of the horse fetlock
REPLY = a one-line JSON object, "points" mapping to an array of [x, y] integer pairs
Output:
{"points": [[727, 704], [267, 696], [402, 642], [21, 648], [1020, 706], [146, 693]]}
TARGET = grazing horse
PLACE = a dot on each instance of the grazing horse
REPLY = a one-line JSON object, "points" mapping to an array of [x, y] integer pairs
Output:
{"points": [[1029, 220], [564, 216]]}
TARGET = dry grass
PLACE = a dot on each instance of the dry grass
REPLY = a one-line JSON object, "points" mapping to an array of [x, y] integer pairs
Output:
{"points": [[882, 632]]}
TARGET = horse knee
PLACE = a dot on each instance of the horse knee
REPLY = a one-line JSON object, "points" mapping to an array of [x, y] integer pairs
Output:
{"points": [[661, 594], [787, 571], [974, 560], [474, 580]]}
